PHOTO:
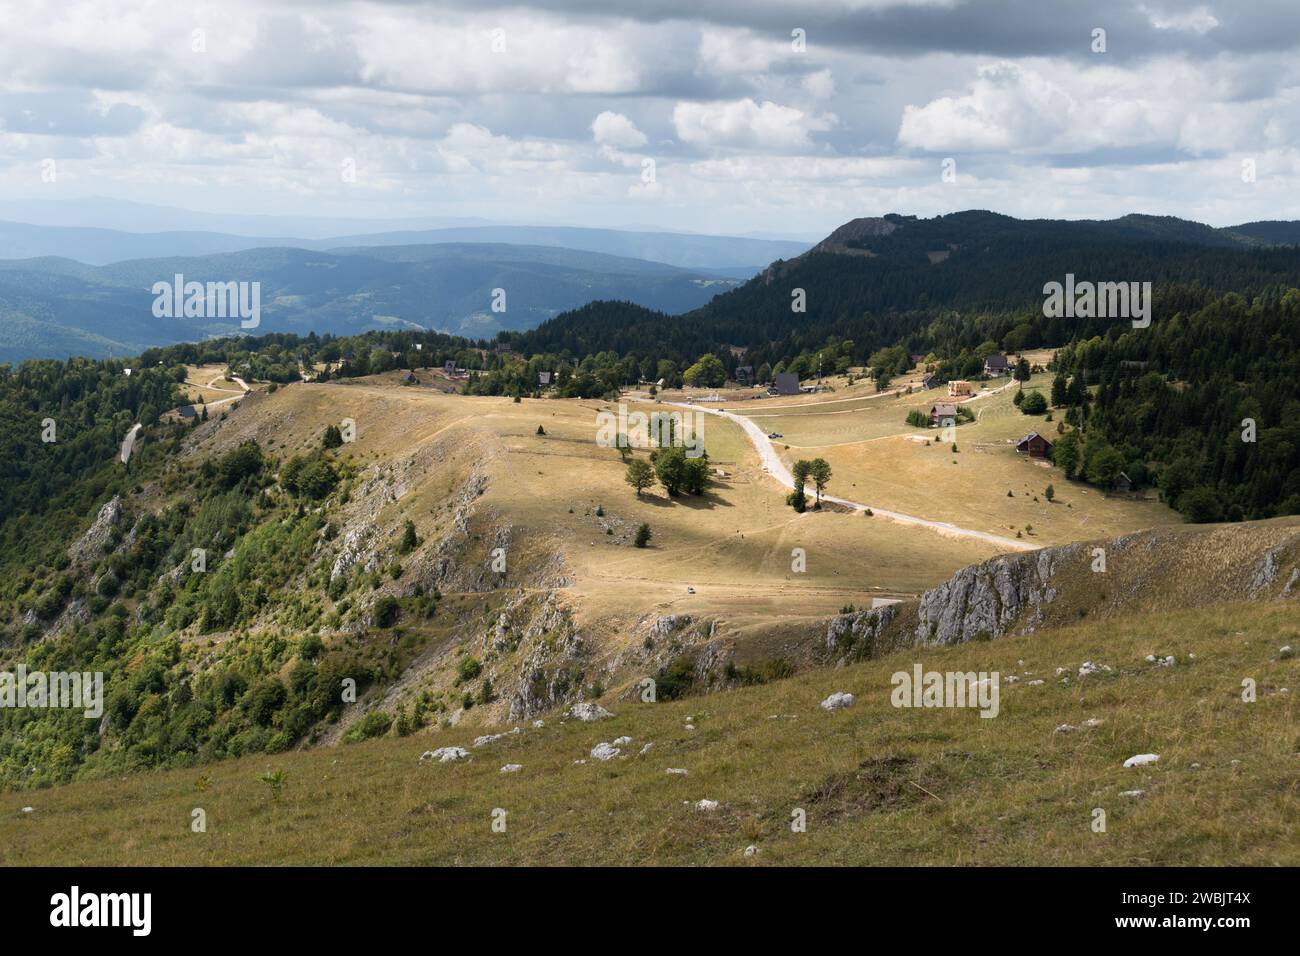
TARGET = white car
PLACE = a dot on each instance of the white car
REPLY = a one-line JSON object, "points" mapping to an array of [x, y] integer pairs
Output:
{"points": [[690, 590]]}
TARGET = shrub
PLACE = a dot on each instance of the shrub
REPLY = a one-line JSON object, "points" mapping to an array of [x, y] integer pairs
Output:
{"points": [[775, 668], [1034, 404], [675, 680], [643, 536], [468, 669], [409, 538], [386, 611], [108, 585], [374, 724]]}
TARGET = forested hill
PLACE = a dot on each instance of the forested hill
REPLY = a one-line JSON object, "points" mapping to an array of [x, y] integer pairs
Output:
{"points": [[878, 281]]}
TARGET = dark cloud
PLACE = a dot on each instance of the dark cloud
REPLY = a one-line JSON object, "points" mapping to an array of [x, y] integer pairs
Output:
{"points": [[990, 27]]}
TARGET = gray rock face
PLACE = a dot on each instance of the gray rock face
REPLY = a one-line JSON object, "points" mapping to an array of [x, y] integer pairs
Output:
{"points": [[350, 553], [92, 542], [858, 632], [668, 624], [988, 598]]}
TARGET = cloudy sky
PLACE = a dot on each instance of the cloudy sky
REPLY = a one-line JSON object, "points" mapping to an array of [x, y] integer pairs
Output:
{"points": [[732, 116]]}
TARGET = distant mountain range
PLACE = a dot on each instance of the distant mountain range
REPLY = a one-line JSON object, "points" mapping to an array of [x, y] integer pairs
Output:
{"points": [[55, 306], [70, 290], [109, 231]]}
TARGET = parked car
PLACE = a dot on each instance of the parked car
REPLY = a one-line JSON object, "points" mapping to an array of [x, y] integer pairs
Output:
{"points": [[775, 435], [690, 590]]}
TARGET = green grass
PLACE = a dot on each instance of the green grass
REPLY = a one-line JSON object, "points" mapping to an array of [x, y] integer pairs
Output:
{"points": [[880, 785]]}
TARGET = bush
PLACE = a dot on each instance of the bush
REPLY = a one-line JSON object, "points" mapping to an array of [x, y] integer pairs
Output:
{"points": [[1034, 404], [108, 585], [409, 538], [776, 668], [310, 647], [468, 669], [267, 696], [1201, 505], [246, 461], [643, 536], [374, 724], [386, 611], [675, 680], [312, 478]]}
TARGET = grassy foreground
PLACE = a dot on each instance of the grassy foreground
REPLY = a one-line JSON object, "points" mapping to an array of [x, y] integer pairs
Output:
{"points": [[879, 785]]}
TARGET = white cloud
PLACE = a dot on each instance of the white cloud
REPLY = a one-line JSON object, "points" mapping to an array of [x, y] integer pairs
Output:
{"points": [[557, 124], [819, 85], [1198, 20], [615, 129], [746, 123], [1045, 108]]}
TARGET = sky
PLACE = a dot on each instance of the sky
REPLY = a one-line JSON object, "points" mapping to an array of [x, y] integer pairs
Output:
{"points": [[721, 116]]}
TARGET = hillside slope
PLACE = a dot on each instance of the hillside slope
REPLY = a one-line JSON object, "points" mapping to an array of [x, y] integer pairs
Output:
{"points": [[469, 560], [1149, 572], [878, 785]]}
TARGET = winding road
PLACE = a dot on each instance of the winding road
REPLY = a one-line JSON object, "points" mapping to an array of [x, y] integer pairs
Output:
{"points": [[128, 443], [775, 467], [233, 398]]}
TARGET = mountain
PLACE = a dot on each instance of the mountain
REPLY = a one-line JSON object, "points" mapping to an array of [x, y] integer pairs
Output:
{"points": [[879, 280], [1270, 232], [57, 307], [731, 256], [728, 255]]}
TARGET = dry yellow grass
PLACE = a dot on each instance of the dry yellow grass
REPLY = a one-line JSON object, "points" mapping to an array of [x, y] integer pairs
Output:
{"points": [[206, 383], [879, 460], [733, 545]]}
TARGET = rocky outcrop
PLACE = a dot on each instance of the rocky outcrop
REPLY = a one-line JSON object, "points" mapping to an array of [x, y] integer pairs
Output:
{"points": [[1171, 567], [987, 599], [867, 227], [91, 544], [850, 636]]}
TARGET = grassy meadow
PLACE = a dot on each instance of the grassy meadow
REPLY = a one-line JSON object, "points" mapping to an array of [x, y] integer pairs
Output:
{"points": [[878, 785]]}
